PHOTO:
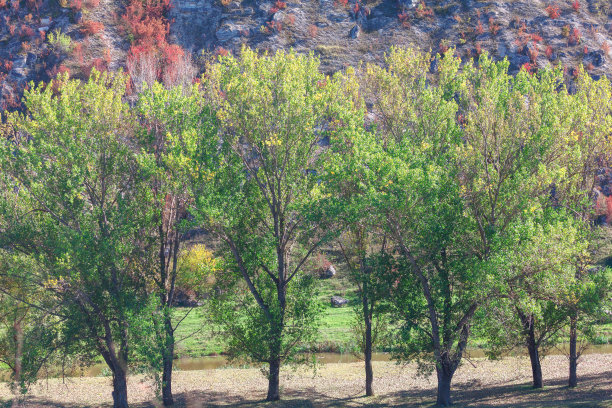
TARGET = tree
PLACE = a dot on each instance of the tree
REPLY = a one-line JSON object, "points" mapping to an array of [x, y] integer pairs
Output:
{"points": [[170, 119], [549, 244], [71, 161], [455, 158], [264, 200], [583, 149], [367, 261]]}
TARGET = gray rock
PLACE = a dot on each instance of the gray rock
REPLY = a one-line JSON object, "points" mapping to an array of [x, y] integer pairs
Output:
{"points": [[355, 31], [329, 272], [226, 33], [596, 58], [45, 21], [337, 301]]}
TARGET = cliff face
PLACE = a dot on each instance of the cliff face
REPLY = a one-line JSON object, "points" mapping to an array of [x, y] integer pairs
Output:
{"points": [[530, 33], [345, 32]]}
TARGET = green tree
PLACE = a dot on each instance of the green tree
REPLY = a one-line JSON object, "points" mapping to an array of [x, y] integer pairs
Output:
{"points": [[583, 148], [170, 120], [71, 161], [264, 200]]}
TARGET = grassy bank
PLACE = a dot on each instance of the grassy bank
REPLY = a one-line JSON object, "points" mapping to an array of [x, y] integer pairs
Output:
{"points": [[482, 383], [335, 333]]}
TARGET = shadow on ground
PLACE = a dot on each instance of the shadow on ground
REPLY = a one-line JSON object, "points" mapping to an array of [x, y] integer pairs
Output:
{"points": [[593, 392]]}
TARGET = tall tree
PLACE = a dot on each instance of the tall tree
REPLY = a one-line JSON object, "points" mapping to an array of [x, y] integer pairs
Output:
{"points": [[72, 161], [583, 150], [264, 200], [169, 120]]}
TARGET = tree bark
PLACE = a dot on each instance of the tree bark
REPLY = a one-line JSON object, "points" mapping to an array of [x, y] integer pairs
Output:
{"points": [[534, 356], [573, 354], [445, 377], [369, 374], [18, 337], [120, 399], [168, 361], [274, 380]]}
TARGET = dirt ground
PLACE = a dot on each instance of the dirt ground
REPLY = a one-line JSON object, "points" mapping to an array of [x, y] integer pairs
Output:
{"points": [[479, 383]]}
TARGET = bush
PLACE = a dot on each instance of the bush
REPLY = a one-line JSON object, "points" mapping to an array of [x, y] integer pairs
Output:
{"points": [[553, 11], [59, 42], [91, 27]]}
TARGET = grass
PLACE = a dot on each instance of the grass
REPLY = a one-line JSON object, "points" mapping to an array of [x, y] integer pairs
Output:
{"points": [[335, 334]]}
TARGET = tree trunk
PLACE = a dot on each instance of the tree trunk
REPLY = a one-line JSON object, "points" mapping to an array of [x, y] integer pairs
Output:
{"points": [[274, 381], [573, 354], [120, 399], [18, 337], [534, 356], [445, 377], [532, 346], [168, 360], [369, 374]]}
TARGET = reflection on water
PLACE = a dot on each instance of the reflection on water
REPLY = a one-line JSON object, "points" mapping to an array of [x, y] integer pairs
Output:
{"points": [[213, 362]]}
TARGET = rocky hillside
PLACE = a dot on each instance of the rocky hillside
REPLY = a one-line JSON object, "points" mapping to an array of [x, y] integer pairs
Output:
{"points": [[107, 33]]}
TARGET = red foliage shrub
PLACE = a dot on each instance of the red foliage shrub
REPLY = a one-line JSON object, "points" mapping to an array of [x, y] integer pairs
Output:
{"points": [[313, 30], [6, 66], [536, 38], [478, 49], [590, 66], [11, 28], [576, 5], [493, 26], [404, 18], [91, 27], [605, 47], [549, 52], [92, 3], [26, 32], [281, 5], [222, 52], [290, 19], [529, 67], [479, 28], [423, 11], [574, 37], [533, 54], [15, 5], [98, 64], [77, 52], [553, 11], [76, 4], [341, 2], [585, 50], [3, 4]]}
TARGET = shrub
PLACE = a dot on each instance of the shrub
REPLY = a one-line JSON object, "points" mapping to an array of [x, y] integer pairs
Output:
{"points": [[553, 11], [565, 31], [77, 52], [59, 42], [290, 19], [479, 28], [313, 30], [15, 5], [533, 54], [576, 5], [549, 52], [574, 37], [91, 27], [3, 4], [76, 4], [493, 26], [92, 3], [404, 18], [605, 47], [26, 32]]}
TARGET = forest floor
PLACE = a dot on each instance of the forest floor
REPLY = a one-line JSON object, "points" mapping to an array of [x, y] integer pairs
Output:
{"points": [[479, 383]]}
